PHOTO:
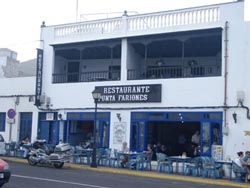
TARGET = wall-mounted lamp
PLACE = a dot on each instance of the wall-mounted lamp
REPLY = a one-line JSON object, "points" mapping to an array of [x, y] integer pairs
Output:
{"points": [[240, 96], [118, 115], [235, 117]]}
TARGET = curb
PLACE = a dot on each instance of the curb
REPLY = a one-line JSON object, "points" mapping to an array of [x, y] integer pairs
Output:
{"points": [[144, 174]]}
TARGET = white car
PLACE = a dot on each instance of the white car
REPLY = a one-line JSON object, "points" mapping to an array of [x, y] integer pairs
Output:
{"points": [[2, 145]]}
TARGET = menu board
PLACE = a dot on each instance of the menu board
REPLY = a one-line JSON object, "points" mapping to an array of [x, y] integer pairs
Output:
{"points": [[217, 152]]}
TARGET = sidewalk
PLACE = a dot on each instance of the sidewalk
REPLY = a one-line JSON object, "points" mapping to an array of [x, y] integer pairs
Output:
{"points": [[150, 174]]}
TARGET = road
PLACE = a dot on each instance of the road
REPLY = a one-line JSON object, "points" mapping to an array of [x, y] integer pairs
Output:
{"points": [[27, 176]]}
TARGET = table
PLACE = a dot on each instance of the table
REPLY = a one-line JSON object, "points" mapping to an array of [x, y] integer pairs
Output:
{"points": [[227, 163], [180, 159], [80, 152]]}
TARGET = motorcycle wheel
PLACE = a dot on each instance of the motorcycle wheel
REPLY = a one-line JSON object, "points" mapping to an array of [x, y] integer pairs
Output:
{"points": [[31, 161], [58, 165]]}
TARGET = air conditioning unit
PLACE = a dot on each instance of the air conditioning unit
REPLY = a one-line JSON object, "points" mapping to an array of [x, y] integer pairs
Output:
{"points": [[48, 100], [42, 99]]}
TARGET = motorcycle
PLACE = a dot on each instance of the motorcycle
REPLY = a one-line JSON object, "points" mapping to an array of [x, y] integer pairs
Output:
{"points": [[41, 155]]}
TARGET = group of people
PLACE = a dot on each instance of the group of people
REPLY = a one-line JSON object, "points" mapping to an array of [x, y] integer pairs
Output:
{"points": [[243, 161]]}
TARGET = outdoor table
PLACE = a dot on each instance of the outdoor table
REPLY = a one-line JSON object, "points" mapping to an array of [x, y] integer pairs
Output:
{"points": [[88, 152], [227, 163], [180, 159]]}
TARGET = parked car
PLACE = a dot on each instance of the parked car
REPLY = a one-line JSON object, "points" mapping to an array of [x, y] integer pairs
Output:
{"points": [[2, 145], [4, 172]]}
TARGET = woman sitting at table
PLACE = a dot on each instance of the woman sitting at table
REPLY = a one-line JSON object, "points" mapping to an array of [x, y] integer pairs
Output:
{"points": [[243, 164], [124, 149]]}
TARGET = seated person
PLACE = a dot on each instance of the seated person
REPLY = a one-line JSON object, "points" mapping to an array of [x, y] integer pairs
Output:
{"points": [[24, 146], [246, 159], [149, 151], [241, 162], [124, 149]]}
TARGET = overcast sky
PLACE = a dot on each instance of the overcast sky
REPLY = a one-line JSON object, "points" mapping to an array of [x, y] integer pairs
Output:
{"points": [[21, 19]]}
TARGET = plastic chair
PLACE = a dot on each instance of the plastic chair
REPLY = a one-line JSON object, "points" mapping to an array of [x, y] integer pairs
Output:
{"points": [[239, 172], [106, 158], [76, 155], [147, 161], [193, 167], [138, 162], [163, 163], [210, 168], [7, 149]]}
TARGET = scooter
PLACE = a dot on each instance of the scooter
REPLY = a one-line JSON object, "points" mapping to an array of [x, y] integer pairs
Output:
{"points": [[56, 159]]}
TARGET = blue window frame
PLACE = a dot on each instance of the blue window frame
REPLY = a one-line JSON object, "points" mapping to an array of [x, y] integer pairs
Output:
{"points": [[2, 121]]}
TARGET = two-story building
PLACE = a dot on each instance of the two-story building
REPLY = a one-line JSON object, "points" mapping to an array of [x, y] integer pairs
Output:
{"points": [[162, 76], [18, 115]]}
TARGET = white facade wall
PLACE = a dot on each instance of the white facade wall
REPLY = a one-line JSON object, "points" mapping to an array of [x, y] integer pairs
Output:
{"points": [[205, 91], [11, 88]]}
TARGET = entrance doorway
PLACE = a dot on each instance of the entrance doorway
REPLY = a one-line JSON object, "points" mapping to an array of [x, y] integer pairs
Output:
{"points": [[171, 132], [174, 138], [81, 128], [48, 127], [25, 125]]}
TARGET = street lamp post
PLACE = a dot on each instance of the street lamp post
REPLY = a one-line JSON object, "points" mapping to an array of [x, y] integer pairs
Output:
{"points": [[96, 96]]}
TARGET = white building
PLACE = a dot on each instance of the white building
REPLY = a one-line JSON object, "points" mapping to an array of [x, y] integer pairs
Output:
{"points": [[18, 115], [161, 75]]}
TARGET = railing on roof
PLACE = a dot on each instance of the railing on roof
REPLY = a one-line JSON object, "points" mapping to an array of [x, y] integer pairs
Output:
{"points": [[144, 22]]}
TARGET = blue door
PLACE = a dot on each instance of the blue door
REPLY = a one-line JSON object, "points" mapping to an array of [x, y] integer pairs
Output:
{"points": [[43, 130], [54, 132], [49, 130], [25, 125], [138, 136]]}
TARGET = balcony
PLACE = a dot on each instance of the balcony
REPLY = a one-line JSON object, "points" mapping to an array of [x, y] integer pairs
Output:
{"points": [[166, 72], [134, 25]]}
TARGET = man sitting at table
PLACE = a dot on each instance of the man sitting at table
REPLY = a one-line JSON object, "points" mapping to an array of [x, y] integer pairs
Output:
{"points": [[124, 149]]}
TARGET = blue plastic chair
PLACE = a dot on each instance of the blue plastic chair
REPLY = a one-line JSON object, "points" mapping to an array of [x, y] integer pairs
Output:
{"points": [[239, 172], [210, 168], [138, 162], [147, 161], [163, 163], [193, 167]]}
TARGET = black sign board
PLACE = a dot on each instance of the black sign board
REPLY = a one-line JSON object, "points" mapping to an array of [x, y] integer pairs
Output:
{"points": [[39, 72], [130, 93]]}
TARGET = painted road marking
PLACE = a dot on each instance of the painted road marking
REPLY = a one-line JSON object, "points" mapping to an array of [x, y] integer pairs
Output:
{"points": [[58, 181]]}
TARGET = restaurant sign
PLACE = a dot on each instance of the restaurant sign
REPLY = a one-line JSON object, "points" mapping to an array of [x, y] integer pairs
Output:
{"points": [[130, 93], [39, 72]]}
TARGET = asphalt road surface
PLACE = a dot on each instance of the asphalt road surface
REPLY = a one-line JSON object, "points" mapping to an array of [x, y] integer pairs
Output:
{"points": [[25, 176]]}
